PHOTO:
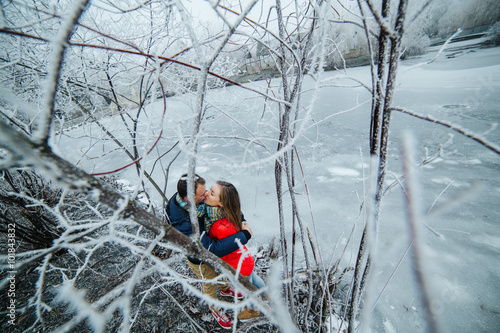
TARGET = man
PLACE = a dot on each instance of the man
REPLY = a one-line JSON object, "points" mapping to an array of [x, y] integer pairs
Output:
{"points": [[177, 211]]}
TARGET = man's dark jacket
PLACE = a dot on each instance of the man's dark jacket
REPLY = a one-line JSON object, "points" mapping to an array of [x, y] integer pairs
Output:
{"points": [[179, 219]]}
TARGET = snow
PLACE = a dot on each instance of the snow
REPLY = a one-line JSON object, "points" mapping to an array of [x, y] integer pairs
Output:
{"points": [[462, 87]]}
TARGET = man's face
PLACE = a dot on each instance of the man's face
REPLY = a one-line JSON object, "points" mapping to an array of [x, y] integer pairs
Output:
{"points": [[201, 193]]}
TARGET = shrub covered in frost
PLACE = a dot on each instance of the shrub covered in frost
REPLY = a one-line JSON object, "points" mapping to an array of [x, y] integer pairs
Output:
{"points": [[493, 34], [415, 43]]}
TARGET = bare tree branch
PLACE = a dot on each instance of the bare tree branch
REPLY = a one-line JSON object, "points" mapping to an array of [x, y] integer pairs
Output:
{"points": [[471, 135]]}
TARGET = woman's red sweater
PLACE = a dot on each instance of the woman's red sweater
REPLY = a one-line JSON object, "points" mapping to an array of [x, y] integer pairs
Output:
{"points": [[220, 230]]}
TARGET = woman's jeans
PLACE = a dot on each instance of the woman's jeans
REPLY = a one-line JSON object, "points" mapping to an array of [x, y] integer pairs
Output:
{"points": [[257, 281]]}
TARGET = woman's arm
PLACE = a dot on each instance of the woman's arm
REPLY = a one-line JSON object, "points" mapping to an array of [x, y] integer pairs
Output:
{"points": [[226, 245]]}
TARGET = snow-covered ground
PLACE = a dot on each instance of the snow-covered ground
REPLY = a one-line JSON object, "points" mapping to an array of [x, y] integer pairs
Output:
{"points": [[462, 86]]}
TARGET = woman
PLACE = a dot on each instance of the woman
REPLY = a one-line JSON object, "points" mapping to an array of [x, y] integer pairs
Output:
{"points": [[224, 218]]}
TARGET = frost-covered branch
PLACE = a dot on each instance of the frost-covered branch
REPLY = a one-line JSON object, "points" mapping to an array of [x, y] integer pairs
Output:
{"points": [[22, 150], [59, 48], [414, 220], [441, 49], [381, 18], [467, 133], [152, 56]]}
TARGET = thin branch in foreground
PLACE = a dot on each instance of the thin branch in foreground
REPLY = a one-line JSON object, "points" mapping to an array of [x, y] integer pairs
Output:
{"points": [[441, 49], [471, 135], [414, 219]]}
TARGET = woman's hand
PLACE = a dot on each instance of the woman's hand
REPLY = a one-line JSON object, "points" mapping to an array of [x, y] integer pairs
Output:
{"points": [[247, 228]]}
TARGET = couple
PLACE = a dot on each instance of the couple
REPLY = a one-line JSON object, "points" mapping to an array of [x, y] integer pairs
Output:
{"points": [[221, 222]]}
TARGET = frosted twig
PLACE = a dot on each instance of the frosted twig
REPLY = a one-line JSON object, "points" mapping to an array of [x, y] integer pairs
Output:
{"points": [[476, 137], [414, 219], [441, 49], [167, 59], [420, 11], [165, 291], [65, 242], [456, 199], [367, 248], [380, 20], [391, 276], [296, 58], [399, 181], [340, 112], [120, 10], [340, 54], [439, 196], [54, 69]]}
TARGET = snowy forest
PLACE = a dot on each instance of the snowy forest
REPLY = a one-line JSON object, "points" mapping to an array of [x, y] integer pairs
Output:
{"points": [[361, 135]]}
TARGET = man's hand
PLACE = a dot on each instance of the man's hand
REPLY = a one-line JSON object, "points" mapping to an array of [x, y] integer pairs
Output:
{"points": [[247, 227]]}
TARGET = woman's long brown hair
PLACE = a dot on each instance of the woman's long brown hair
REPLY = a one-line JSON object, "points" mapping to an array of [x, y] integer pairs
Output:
{"points": [[230, 200]]}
